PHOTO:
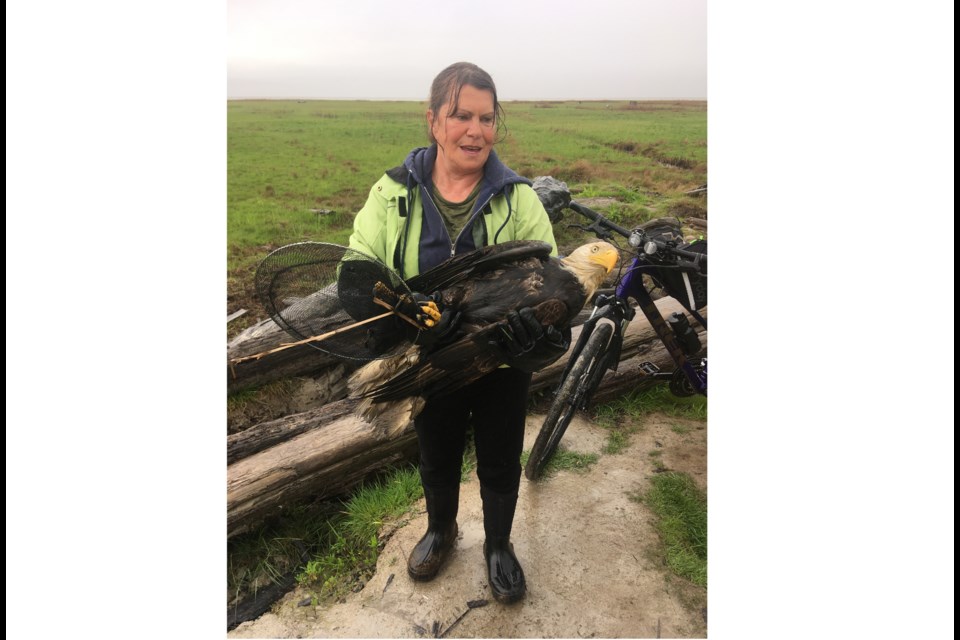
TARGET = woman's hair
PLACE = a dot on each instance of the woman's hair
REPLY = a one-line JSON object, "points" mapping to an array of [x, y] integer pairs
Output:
{"points": [[446, 90]]}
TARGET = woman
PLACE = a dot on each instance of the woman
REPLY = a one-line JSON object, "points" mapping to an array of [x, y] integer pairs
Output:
{"points": [[449, 198]]}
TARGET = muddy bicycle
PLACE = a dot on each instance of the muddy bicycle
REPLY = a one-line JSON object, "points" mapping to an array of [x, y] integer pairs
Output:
{"points": [[676, 267]]}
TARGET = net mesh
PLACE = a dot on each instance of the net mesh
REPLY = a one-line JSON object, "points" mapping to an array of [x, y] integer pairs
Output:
{"points": [[311, 289]]}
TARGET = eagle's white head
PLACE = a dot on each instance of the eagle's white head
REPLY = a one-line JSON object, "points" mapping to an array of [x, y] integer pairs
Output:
{"points": [[591, 263]]}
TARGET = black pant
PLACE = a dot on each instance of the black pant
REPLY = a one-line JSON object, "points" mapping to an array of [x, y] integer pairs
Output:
{"points": [[496, 406]]}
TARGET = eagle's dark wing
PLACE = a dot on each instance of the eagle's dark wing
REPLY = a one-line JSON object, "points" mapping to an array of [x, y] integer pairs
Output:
{"points": [[487, 297], [484, 299], [467, 265], [445, 370]]}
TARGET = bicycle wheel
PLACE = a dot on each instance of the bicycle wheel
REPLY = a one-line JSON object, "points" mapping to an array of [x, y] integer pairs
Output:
{"points": [[572, 393]]}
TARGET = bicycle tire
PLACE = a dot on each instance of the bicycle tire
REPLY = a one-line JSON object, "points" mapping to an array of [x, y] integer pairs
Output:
{"points": [[565, 404]]}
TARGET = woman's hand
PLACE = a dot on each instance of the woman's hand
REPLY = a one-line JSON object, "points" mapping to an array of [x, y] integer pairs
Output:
{"points": [[528, 345]]}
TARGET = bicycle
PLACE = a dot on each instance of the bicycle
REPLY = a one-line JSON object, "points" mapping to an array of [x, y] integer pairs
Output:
{"points": [[678, 268]]}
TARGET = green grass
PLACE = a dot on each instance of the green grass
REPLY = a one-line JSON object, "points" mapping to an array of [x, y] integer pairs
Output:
{"points": [[681, 510], [621, 417], [617, 439], [374, 503], [563, 459], [261, 557], [655, 399], [342, 563], [469, 462], [353, 546], [656, 457], [287, 157]]}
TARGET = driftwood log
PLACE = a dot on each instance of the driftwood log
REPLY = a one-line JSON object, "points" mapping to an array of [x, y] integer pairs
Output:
{"points": [[326, 451], [267, 434], [263, 336]]}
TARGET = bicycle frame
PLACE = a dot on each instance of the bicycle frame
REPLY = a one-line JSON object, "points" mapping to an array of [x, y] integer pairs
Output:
{"points": [[618, 310], [631, 285]]}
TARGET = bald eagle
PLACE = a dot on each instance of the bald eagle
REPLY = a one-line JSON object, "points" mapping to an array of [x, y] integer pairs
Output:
{"points": [[483, 286]]}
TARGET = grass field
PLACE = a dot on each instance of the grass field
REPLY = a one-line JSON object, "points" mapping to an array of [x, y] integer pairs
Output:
{"points": [[299, 170]]}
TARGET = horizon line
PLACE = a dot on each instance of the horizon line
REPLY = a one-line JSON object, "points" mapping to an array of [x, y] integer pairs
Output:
{"points": [[704, 99]]}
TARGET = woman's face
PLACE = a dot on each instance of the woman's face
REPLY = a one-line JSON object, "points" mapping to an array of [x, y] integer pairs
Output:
{"points": [[465, 135]]}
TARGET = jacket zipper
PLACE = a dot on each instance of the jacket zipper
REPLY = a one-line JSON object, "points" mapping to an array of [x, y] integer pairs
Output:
{"points": [[453, 247]]}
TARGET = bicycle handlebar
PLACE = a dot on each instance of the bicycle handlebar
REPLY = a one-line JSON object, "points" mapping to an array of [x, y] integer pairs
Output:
{"points": [[692, 260], [596, 217]]}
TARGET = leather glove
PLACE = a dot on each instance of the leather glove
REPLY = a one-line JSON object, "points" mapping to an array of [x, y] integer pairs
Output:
{"points": [[528, 345], [442, 332]]}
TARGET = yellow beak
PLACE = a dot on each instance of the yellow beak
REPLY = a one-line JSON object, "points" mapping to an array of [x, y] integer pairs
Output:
{"points": [[607, 256]]}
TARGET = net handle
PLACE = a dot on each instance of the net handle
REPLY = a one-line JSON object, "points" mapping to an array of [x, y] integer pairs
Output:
{"points": [[324, 336]]}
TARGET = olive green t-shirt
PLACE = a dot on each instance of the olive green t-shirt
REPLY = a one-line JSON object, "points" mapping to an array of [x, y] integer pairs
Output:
{"points": [[456, 214]]}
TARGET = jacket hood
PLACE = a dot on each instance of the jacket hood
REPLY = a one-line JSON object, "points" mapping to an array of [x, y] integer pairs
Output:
{"points": [[496, 175]]}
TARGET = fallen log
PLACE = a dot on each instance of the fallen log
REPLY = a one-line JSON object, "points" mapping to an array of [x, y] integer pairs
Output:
{"points": [[628, 377], [301, 360], [266, 434], [322, 462], [639, 341], [266, 336], [236, 314], [326, 451]]}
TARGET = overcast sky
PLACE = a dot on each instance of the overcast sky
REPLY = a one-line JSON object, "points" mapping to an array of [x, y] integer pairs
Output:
{"points": [[536, 49]]}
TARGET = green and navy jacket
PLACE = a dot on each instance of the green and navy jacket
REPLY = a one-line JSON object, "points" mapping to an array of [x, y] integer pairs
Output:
{"points": [[401, 226]]}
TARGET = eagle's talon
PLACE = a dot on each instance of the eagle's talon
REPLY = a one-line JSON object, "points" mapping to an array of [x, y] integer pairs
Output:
{"points": [[431, 311]]}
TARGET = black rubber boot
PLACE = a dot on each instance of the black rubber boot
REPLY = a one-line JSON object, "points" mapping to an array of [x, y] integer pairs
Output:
{"points": [[434, 547], [503, 569]]}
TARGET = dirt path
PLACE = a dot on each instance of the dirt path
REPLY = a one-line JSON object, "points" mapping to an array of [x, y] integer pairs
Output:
{"points": [[591, 556]]}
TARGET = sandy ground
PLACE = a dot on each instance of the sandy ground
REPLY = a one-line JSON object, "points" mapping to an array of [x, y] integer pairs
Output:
{"points": [[591, 556]]}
